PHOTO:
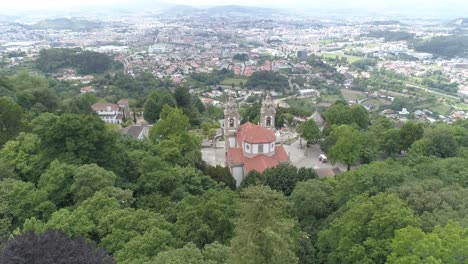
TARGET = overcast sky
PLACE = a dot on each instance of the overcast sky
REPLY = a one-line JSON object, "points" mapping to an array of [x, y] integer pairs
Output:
{"points": [[367, 4]]}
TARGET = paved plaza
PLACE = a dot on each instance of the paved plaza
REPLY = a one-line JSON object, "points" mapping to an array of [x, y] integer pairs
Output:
{"points": [[299, 156]]}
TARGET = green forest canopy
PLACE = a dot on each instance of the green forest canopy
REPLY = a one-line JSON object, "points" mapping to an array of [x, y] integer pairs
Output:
{"points": [[156, 201], [444, 46], [85, 62]]}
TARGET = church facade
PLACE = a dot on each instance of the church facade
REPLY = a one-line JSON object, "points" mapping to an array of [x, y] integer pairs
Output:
{"points": [[249, 146]]}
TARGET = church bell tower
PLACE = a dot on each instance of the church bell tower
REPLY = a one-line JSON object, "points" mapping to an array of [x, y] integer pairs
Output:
{"points": [[268, 112], [231, 123]]}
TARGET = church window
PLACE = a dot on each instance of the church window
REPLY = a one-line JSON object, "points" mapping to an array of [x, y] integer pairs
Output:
{"points": [[268, 121], [260, 148], [231, 122]]}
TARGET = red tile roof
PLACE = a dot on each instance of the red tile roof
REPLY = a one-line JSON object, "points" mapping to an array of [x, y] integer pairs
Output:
{"points": [[259, 162], [255, 134], [104, 106], [87, 89]]}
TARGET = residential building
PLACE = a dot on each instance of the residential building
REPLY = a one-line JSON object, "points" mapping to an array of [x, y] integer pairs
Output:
{"points": [[109, 113], [137, 131]]}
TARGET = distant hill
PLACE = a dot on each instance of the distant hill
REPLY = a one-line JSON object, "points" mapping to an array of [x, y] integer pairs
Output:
{"points": [[180, 10], [73, 24], [183, 10], [384, 22], [240, 10], [460, 21]]}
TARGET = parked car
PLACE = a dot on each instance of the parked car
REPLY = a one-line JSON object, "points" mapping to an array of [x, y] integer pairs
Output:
{"points": [[323, 158]]}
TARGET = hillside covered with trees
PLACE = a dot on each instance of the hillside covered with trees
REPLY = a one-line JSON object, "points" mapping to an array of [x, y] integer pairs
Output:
{"points": [[444, 46], [69, 182], [85, 62]]}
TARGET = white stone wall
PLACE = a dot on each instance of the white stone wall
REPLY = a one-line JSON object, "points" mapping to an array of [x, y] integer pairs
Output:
{"points": [[232, 142], [238, 174]]}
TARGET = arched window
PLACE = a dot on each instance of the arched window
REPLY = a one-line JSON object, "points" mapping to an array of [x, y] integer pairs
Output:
{"points": [[231, 122], [268, 121]]}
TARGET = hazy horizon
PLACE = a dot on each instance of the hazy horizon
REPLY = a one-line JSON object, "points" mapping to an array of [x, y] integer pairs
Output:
{"points": [[365, 5]]}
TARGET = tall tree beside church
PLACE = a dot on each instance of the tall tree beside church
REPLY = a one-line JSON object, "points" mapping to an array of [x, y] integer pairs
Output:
{"points": [[310, 131], [264, 230], [348, 146]]}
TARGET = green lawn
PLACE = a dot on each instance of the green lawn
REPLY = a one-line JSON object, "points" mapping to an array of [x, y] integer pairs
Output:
{"points": [[235, 81], [330, 98], [304, 105], [350, 58], [441, 109], [350, 95], [461, 106], [374, 102]]}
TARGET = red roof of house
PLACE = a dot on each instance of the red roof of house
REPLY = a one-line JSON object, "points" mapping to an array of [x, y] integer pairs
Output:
{"points": [[104, 106], [123, 102], [255, 134], [259, 162], [87, 89]]}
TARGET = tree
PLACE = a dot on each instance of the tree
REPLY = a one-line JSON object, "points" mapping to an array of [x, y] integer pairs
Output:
{"points": [[282, 177], [144, 247], [409, 133], [434, 202], [88, 179], [206, 218], [220, 174], [442, 144], [119, 226], [342, 114], [51, 247], [338, 114], [363, 230], [241, 57], [369, 179], [25, 81], [11, 120], [360, 115], [154, 105], [172, 140], [189, 254], [77, 139], [267, 80], [20, 201], [390, 142], [310, 131], [57, 181], [38, 100], [348, 146], [264, 230], [312, 202], [174, 182], [80, 104], [25, 156], [72, 223], [447, 244], [173, 122], [182, 97]]}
